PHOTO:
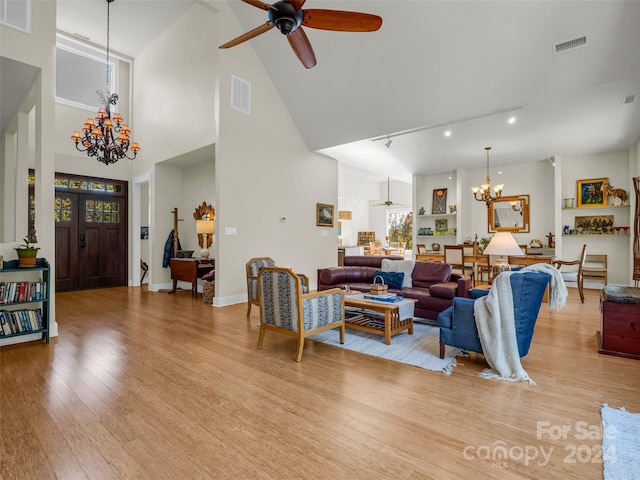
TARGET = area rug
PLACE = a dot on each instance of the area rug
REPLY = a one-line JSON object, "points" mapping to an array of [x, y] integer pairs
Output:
{"points": [[620, 444], [422, 349]]}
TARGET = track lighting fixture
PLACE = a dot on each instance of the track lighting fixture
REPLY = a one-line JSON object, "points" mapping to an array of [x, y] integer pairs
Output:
{"points": [[447, 131], [502, 112], [552, 161]]}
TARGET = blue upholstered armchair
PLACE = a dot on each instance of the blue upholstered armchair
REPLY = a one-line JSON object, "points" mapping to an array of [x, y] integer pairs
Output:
{"points": [[285, 309], [253, 268], [458, 325]]}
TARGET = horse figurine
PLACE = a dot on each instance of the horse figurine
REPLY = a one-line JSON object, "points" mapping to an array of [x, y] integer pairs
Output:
{"points": [[615, 193]]}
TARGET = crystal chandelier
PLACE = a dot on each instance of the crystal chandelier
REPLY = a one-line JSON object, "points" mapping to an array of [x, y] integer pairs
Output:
{"points": [[97, 135], [483, 192]]}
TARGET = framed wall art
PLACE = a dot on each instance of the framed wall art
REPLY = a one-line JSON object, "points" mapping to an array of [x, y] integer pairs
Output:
{"points": [[439, 203], [590, 193], [324, 215]]}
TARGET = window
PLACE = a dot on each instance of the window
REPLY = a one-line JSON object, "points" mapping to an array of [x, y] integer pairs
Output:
{"points": [[16, 14], [400, 226], [81, 71]]}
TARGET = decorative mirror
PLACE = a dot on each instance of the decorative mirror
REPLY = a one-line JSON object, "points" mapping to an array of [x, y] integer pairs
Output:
{"points": [[509, 214], [204, 216]]}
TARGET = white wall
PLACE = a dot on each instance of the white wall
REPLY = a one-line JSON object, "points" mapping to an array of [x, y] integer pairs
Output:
{"points": [[614, 166], [37, 49], [368, 215]]}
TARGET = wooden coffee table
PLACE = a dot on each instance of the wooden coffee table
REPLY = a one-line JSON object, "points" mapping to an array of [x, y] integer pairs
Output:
{"points": [[398, 316]]}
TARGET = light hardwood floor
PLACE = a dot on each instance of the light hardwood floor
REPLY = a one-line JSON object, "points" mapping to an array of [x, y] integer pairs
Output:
{"points": [[143, 385]]}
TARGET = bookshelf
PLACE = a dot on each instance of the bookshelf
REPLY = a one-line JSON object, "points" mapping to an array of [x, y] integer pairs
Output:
{"points": [[24, 300]]}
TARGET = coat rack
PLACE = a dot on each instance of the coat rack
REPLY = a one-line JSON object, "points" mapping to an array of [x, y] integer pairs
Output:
{"points": [[175, 231]]}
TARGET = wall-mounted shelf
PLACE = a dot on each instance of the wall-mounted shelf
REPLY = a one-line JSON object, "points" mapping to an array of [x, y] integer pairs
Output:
{"points": [[596, 235], [598, 207], [436, 215], [438, 236]]}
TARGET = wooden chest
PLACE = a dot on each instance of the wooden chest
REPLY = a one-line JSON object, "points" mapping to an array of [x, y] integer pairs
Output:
{"points": [[619, 332]]}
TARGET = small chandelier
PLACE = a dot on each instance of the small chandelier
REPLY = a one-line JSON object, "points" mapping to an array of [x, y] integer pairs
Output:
{"points": [[483, 192], [97, 135]]}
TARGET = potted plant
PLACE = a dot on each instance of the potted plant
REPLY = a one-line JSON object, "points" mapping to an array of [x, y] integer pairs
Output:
{"points": [[28, 251], [484, 242]]}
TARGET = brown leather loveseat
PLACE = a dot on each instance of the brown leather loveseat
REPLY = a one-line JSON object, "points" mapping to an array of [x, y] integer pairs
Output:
{"points": [[433, 284]]}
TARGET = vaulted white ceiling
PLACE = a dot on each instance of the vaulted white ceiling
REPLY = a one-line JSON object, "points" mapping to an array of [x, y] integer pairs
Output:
{"points": [[432, 64]]}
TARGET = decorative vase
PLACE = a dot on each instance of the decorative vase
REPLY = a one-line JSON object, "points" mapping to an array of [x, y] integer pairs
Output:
{"points": [[27, 256]]}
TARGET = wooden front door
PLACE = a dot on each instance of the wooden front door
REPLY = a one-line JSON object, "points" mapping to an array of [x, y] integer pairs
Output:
{"points": [[91, 236]]}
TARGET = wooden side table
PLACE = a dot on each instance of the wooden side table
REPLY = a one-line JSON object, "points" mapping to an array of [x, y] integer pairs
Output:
{"points": [[619, 332], [190, 270]]}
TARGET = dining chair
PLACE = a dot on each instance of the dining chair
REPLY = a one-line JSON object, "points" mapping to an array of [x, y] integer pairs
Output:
{"points": [[576, 276], [454, 256], [595, 267]]}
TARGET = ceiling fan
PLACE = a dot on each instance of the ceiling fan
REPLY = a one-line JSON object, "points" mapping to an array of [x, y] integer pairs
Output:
{"points": [[288, 17], [388, 203]]}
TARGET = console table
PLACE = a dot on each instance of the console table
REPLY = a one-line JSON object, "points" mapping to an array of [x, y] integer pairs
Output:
{"points": [[190, 270]]}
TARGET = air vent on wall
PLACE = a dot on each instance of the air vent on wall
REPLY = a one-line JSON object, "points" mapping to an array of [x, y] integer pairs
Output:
{"points": [[569, 45], [240, 95], [628, 99]]}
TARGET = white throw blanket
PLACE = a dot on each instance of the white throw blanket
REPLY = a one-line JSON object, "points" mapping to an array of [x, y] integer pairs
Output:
{"points": [[496, 323], [557, 289], [497, 331]]}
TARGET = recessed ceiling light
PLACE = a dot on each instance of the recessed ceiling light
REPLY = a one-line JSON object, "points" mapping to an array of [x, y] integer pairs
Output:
{"points": [[511, 120]]}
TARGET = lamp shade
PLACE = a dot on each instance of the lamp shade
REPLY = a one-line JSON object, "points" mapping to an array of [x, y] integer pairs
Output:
{"points": [[204, 226], [503, 244]]}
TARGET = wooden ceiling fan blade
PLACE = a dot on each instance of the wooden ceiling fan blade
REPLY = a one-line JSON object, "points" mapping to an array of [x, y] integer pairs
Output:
{"points": [[302, 47], [261, 5], [341, 21], [249, 35], [297, 4]]}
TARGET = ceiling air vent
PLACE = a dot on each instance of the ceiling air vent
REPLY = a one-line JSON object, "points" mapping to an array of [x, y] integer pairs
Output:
{"points": [[628, 99], [240, 95], [570, 45]]}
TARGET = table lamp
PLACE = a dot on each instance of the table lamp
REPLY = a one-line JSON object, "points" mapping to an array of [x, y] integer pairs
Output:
{"points": [[502, 244], [204, 228]]}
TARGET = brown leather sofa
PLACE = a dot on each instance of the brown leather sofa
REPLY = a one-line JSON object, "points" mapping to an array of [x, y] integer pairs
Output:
{"points": [[434, 286]]}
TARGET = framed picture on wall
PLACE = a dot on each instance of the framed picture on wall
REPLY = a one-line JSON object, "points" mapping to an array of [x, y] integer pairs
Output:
{"points": [[439, 203], [324, 215], [590, 193], [144, 233]]}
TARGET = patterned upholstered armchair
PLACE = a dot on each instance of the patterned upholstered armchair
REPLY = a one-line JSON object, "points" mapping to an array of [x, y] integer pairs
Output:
{"points": [[253, 268], [285, 309]]}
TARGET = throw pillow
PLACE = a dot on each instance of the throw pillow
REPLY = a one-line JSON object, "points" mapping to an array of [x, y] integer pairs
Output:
{"points": [[391, 279], [404, 266]]}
